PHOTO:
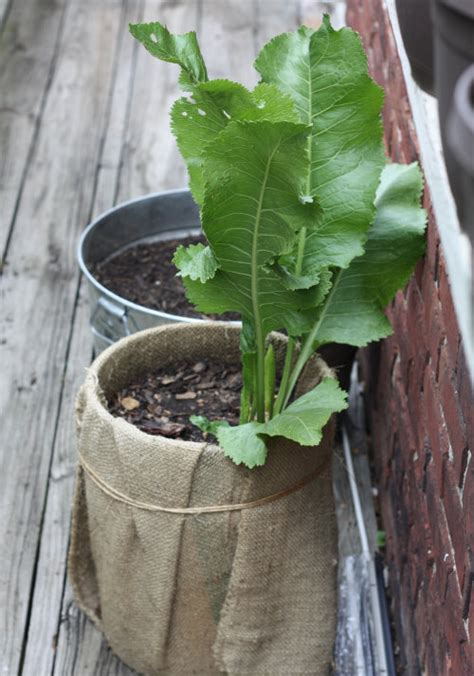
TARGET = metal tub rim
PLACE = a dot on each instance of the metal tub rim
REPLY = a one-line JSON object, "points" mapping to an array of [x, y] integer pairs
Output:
{"points": [[104, 290]]}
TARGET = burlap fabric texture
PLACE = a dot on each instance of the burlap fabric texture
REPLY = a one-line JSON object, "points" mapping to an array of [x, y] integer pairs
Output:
{"points": [[249, 591]]}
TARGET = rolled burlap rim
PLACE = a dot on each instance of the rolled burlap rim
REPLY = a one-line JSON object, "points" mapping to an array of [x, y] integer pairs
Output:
{"points": [[166, 346]]}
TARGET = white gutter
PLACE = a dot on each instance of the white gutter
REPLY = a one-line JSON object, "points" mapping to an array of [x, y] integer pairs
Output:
{"points": [[456, 246]]}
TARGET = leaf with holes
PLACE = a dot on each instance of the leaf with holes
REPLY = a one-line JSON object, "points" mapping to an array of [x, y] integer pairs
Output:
{"points": [[197, 120], [180, 49]]}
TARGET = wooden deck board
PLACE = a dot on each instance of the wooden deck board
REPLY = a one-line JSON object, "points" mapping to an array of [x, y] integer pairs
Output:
{"points": [[39, 288], [91, 130], [150, 159], [28, 54], [5, 6], [80, 648], [47, 597], [53, 617]]}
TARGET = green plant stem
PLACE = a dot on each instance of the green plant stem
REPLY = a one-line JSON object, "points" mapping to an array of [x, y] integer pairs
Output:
{"points": [[260, 390], [300, 253], [245, 407], [290, 348], [281, 398], [270, 371], [259, 335], [305, 353], [308, 348]]}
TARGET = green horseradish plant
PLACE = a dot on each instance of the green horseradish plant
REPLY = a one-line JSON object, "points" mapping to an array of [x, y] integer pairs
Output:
{"points": [[308, 229]]}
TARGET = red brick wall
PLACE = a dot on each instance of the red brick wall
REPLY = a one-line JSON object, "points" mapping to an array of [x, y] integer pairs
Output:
{"points": [[421, 409]]}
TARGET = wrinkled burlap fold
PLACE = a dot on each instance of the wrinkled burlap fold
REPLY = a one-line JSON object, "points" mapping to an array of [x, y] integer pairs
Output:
{"points": [[250, 591]]}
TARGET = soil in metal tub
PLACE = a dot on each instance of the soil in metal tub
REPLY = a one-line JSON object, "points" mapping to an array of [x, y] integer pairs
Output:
{"points": [[145, 274]]}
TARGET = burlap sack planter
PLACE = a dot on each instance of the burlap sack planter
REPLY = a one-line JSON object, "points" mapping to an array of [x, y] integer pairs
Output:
{"points": [[176, 587]]}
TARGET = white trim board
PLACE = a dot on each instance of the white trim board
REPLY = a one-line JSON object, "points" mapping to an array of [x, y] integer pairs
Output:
{"points": [[456, 246]]}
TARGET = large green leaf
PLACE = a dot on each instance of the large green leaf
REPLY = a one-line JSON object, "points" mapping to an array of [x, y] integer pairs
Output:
{"points": [[354, 309], [325, 72], [302, 421], [255, 174], [180, 49], [243, 443]]}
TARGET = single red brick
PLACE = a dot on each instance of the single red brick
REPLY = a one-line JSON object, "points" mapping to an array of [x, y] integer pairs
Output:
{"points": [[431, 264], [413, 149], [435, 426], [436, 587], [470, 611], [449, 397], [409, 633], [417, 410], [384, 473], [394, 519], [468, 501], [414, 574], [431, 304], [456, 660], [428, 280], [384, 360], [432, 241], [414, 298], [424, 618], [454, 514], [416, 386], [442, 546], [421, 458], [466, 394], [397, 306], [406, 347], [436, 653], [454, 627], [420, 535], [437, 336], [398, 464], [454, 602], [420, 556], [415, 321], [408, 438], [449, 312], [407, 361], [382, 432], [430, 665], [467, 587], [393, 139]]}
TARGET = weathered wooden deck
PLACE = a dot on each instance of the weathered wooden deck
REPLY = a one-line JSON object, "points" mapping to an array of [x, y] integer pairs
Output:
{"points": [[83, 125]]}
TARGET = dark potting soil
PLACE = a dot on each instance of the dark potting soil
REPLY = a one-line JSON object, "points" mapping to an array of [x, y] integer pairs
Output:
{"points": [[162, 401], [145, 274]]}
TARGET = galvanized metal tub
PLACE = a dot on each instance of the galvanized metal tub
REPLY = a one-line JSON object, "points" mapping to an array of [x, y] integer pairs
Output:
{"points": [[164, 215]]}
